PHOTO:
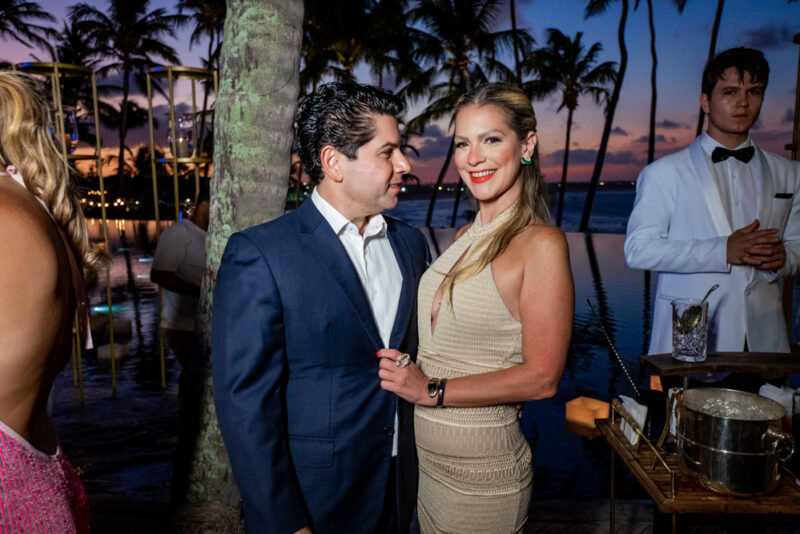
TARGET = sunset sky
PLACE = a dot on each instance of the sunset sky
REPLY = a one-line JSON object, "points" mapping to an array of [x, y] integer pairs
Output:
{"points": [[682, 47]]}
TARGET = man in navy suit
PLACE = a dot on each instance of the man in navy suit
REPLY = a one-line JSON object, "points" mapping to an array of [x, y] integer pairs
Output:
{"points": [[301, 306]]}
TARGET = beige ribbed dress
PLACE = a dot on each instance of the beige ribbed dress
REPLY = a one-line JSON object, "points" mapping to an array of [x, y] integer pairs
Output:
{"points": [[475, 464]]}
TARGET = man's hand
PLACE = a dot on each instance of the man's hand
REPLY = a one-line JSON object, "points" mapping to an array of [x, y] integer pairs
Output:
{"points": [[774, 260], [304, 530], [751, 246]]}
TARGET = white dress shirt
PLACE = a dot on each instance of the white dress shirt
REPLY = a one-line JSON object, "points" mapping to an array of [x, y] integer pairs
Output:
{"points": [[377, 268], [737, 183]]}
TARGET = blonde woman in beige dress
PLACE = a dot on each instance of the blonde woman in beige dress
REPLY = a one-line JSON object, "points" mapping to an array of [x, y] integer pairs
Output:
{"points": [[495, 317]]}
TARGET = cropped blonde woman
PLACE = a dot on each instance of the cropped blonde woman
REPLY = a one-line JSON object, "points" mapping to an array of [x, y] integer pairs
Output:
{"points": [[495, 316], [43, 246]]}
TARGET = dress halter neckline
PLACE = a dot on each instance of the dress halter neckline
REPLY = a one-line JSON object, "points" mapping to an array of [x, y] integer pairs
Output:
{"points": [[480, 229]]}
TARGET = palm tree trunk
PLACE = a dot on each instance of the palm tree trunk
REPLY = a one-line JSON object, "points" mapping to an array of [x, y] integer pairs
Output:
{"points": [[651, 143], [711, 50], [123, 132], [565, 164], [612, 107], [254, 114], [439, 180], [517, 70], [201, 133], [213, 63], [457, 200]]}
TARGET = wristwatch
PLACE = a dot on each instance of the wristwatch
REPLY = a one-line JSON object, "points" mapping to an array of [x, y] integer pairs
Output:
{"points": [[433, 387]]}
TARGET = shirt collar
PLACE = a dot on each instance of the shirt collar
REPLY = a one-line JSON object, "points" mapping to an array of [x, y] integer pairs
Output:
{"points": [[709, 144], [376, 225]]}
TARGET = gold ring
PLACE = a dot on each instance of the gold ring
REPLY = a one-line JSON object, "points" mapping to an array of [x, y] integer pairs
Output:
{"points": [[403, 360]]}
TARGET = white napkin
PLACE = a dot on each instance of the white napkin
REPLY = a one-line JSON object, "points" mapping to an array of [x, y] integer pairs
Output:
{"points": [[638, 412], [782, 396]]}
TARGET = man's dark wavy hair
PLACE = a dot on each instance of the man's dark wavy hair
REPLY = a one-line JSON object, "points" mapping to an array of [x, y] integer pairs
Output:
{"points": [[743, 59], [340, 115]]}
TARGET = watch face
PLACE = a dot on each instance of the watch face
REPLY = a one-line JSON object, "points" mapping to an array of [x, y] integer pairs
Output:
{"points": [[433, 385]]}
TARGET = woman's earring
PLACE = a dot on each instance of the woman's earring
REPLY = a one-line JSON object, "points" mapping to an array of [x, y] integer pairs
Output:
{"points": [[526, 161]]}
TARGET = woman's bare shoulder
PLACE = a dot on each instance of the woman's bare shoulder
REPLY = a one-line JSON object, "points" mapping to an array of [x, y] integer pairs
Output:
{"points": [[26, 241], [538, 239], [23, 223]]}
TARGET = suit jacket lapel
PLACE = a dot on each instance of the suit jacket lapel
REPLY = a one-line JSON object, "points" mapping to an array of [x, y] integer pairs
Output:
{"points": [[324, 244], [709, 189], [408, 292], [766, 191]]}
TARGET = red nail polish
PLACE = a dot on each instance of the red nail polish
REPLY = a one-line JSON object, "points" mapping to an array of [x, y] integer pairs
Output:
{"points": [[376, 354]]}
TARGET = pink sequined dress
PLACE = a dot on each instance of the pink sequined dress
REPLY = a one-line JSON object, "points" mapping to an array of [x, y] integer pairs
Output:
{"points": [[39, 493]]}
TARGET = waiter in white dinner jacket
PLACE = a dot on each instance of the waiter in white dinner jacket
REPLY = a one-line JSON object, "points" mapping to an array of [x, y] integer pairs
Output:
{"points": [[721, 212]]}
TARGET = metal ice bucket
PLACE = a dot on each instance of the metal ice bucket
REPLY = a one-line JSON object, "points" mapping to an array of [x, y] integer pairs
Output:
{"points": [[732, 441]]}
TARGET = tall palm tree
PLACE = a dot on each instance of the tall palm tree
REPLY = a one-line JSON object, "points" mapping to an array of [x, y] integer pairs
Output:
{"points": [[392, 44], [69, 45], [18, 22], [459, 51], [333, 40], [651, 140], [251, 108], [513, 16], [208, 17], [596, 7], [129, 39], [712, 46], [567, 67], [338, 36]]}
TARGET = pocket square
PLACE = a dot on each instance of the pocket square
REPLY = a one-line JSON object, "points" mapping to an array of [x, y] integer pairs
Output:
{"points": [[784, 195]]}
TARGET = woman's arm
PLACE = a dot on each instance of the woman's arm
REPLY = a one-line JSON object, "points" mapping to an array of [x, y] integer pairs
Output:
{"points": [[546, 307]]}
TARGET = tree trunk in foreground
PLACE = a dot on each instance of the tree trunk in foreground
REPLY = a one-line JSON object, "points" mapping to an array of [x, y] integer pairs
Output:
{"points": [[712, 47], [564, 166], [651, 141], [439, 180], [255, 111], [612, 107]]}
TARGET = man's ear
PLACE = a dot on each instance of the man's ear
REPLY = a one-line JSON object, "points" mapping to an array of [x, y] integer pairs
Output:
{"points": [[331, 159], [705, 104]]}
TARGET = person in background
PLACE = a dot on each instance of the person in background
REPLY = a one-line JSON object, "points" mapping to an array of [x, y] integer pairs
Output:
{"points": [[495, 318], [44, 247], [301, 306], [178, 267], [722, 211]]}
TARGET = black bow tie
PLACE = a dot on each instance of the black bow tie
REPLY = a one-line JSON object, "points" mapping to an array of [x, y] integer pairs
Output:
{"points": [[743, 154]]}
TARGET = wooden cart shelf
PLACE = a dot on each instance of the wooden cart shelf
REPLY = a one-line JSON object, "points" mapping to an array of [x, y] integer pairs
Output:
{"points": [[731, 362], [690, 497]]}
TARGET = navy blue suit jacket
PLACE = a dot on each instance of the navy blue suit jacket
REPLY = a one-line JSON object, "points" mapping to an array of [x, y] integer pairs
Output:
{"points": [[306, 425]]}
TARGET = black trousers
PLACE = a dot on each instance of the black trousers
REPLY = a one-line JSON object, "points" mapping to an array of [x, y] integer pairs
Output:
{"points": [[387, 524]]}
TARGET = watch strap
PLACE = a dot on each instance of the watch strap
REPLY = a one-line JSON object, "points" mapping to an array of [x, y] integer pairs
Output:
{"points": [[440, 392]]}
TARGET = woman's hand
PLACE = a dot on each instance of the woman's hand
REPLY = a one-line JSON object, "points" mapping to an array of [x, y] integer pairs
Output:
{"points": [[406, 382]]}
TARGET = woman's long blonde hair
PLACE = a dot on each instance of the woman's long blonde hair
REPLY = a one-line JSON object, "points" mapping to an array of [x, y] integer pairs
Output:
{"points": [[531, 206], [26, 142]]}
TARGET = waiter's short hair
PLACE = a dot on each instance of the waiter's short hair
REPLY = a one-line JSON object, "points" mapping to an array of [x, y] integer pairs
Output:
{"points": [[340, 115], [743, 59]]}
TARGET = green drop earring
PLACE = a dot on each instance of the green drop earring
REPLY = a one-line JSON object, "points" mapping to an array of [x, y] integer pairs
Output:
{"points": [[526, 161]]}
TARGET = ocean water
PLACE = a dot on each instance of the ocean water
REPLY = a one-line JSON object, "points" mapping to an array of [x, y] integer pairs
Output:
{"points": [[123, 443], [609, 212]]}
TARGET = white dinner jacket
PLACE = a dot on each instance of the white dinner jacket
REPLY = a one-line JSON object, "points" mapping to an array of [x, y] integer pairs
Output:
{"points": [[679, 228]]}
